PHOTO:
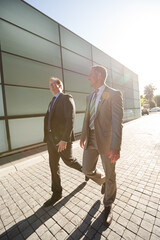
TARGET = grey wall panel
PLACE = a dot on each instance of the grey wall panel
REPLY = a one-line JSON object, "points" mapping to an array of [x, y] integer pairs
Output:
{"points": [[101, 58], [76, 82], [74, 62], [21, 14], [22, 101], [3, 137], [78, 122], [26, 131], [1, 103], [20, 71], [74, 43], [20, 42], [80, 100]]}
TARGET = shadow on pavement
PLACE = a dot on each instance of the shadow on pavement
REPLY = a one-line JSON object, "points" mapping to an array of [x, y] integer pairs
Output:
{"points": [[88, 229], [30, 224]]}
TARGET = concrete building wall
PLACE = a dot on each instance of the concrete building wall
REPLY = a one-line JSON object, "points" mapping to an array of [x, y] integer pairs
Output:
{"points": [[33, 48]]}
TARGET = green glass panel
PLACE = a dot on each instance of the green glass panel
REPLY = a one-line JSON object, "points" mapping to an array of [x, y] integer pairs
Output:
{"points": [[26, 131], [135, 83], [78, 122], [80, 100], [136, 103], [129, 103], [76, 82], [3, 137], [118, 79], [20, 42], [21, 71], [72, 61], [136, 95], [22, 101], [137, 112], [75, 43], [1, 103], [117, 66], [129, 93], [101, 58], [23, 15]]}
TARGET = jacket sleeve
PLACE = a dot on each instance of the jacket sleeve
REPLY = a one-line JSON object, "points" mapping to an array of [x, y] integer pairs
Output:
{"points": [[45, 128], [117, 115], [69, 114]]}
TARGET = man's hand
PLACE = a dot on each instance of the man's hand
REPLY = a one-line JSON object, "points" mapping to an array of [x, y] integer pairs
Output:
{"points": [[82, 144], [61, 146], [114, 155]]}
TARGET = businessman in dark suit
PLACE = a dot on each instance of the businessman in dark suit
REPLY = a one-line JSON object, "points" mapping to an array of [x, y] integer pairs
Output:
{"points": [[102, 135], [58, 133]]}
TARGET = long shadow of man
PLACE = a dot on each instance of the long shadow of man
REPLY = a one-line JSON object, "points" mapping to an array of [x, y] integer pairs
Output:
{"points": [[30, 224], [86, 228]]}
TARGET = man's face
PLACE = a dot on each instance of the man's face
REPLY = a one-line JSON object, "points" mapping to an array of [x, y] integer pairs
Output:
{"points": [[95, 79], [54, 87]]}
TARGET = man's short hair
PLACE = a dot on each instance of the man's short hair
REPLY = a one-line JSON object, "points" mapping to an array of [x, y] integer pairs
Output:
{"points": [[58, 81], [102, 70]]}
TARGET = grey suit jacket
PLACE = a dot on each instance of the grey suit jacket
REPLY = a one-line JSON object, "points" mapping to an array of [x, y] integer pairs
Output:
{"points": [[108, 121]]}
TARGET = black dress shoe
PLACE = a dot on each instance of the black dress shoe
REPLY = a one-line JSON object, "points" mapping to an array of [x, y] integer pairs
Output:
{"points": [[86, 178], [103, 188], [52, 200], [108, 215]]}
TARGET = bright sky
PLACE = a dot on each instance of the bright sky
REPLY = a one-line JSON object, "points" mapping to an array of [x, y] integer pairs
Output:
{"points": [[127, 30]]}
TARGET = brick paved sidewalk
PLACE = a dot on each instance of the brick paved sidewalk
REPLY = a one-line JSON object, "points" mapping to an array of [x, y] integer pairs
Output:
{"points": [[79, 214]]}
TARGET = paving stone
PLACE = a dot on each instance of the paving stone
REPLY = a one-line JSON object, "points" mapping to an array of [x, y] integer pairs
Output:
{"points": [[61, 235], [55, 228], [47, 236], [154, 237], [129, 235], [143, 234], [156, 230]]}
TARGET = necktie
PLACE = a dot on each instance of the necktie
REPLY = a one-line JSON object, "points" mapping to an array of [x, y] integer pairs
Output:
{"points": [[50, 113], [92, 110]]}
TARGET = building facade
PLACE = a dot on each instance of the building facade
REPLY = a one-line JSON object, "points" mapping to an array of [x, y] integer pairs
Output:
{"points": [[33, 47]]}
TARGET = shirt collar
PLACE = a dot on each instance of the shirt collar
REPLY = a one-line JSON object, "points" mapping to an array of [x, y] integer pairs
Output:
{"points": [[56, 96], [101, 89]]}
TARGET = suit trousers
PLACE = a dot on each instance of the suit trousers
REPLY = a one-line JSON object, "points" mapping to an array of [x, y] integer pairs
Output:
{"points": [[54, 157], [90, 158]]}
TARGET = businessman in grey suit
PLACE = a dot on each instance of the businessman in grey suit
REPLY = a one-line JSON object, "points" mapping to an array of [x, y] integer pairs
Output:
{"points": [[101, 135]]}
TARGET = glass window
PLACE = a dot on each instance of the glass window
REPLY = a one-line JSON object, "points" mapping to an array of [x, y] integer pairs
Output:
{"points": [[29, 18], [20, 42], [1, 103], [26, 131], [76, 82], [3, 137], [101, 58], [78, 122], [72, 61], [75, 43], [135, 84], [136, 103], [118, 79], [129, 93], [80, 100], [130, 103], [22, 101], [136, 95], [137, 112], [30, 73], [116, 66]]}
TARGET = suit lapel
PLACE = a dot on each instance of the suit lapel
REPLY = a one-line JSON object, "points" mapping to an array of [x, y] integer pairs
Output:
{"points": [[56, 103], [104, 97]]}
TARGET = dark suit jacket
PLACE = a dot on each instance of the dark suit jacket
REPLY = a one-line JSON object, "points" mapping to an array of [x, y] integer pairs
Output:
{"points": [[108, 121], [62, 119]]}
